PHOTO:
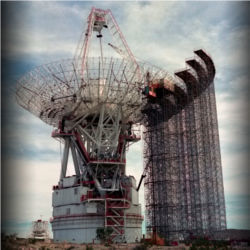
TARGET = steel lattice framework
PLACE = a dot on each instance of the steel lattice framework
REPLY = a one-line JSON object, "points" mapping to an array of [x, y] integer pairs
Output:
{"points": [[96, 104], [184, 186]]}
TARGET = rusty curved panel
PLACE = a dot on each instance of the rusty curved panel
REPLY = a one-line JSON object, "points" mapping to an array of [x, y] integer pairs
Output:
{"points": [[168, 85], [201, 72], [180, 94], [208, 61], [163, 83], [190, 80], [174, 89], [170, 88], [171, 107]]}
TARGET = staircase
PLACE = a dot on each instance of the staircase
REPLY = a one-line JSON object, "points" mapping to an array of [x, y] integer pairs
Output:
{"points": [[115, 217]]}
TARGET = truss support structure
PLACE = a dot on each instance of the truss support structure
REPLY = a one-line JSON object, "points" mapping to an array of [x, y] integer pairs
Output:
{"points": [[183, 185], [98, 144], [96, 104]]}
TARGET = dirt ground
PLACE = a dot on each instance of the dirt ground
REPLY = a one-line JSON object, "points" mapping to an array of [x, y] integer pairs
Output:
{"points": [[10, 243], [26, 244]]}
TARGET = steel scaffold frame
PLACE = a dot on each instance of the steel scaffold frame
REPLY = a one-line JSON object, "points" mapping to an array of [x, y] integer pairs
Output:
{"points": [[184, 186]]}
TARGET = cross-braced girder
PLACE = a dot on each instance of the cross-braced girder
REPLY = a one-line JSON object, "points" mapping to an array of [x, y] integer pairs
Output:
{"points": [[95, 103], [98, 145], [184, 185]]}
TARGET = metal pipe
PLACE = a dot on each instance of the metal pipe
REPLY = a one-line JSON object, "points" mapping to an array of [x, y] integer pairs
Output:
{"points": [[139, 185]]}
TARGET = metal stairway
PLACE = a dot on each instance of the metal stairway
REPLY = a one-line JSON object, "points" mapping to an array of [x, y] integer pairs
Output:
{"points": [[115, 217]]}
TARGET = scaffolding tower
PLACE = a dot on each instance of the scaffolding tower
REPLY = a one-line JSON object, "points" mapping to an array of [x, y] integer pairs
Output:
{"points": [[184, 193]]}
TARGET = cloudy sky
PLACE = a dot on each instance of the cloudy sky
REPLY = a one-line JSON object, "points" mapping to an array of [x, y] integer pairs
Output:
{"points": [[163, 33]]}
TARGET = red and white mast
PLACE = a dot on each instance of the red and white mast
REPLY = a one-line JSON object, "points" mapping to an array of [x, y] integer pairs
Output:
{"points": [[98, 20]]}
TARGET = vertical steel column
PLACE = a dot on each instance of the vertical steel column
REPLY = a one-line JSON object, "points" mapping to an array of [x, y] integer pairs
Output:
{"points": [[65, 158], [75, 160]]}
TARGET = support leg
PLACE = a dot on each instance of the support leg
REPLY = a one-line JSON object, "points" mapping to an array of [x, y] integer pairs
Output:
{"points": [[65, 159], [75, 160]]}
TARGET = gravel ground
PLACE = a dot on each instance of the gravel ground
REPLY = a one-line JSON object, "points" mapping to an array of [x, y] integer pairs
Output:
{"points": [[26, 244]]}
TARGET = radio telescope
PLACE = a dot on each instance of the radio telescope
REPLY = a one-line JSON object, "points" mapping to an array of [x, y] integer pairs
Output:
{"points": [[94, 103]]}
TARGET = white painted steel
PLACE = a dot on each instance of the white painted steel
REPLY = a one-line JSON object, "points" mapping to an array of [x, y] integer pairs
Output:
{"points": [[68, 195], [69, 181], [77, 221], [60, 89], [82, 230]]}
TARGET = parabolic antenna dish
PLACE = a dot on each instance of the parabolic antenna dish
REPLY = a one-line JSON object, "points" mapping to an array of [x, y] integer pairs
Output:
{"points": [[60, 90]]}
